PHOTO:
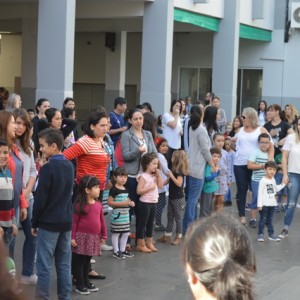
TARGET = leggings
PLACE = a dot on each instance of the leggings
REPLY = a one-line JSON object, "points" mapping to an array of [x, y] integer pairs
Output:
{"points": [[81, 268], [160, 207]]}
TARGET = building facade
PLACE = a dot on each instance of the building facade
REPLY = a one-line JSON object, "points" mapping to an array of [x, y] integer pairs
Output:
{"points": [[155, 50]]}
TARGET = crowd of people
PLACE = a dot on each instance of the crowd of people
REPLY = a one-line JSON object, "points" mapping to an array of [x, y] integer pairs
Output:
{"points": [[58, 186]]}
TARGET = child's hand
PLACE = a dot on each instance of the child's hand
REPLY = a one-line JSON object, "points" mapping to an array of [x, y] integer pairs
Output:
{"points": [[131, 203], [34, 231], [157, 172], [153, 186], [14, 230], [102, 241], [73, 243], [259, 208]]}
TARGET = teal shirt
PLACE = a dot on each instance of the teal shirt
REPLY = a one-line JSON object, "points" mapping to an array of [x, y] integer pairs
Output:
{"points": [[210, 183]]}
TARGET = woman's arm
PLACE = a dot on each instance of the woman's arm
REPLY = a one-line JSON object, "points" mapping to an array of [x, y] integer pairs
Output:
{"points": [[74, 151]]}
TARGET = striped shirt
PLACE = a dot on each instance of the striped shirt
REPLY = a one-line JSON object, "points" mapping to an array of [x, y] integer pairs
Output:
{"points": [[92, 159], [6, 198], [258, 157]]}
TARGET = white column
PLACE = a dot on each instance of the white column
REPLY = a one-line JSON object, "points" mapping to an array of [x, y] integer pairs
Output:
{"points": [[115, 69], [28, 67], [157, 51], [55, 57], [225, 58]]}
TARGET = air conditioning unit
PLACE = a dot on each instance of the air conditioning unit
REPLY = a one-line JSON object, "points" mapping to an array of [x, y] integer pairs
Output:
{"points": [[295, 15]]}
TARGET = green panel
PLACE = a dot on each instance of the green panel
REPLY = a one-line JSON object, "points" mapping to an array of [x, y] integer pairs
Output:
{"points": [[196, 19], [253, 33]]}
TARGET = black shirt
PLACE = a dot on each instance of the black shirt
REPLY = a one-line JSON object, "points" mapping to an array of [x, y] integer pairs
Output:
{"points": [[176, 192]]}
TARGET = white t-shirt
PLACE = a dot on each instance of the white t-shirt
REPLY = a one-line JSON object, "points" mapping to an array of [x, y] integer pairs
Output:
{"points": [[172, 135], [294, 153], [267, 191]]}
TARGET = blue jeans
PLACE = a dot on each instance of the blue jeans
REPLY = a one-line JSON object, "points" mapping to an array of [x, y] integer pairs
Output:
{"points": [[278, 177], [243, 182], [266, 216], [293, 193], [193, 191], [227, 197], [254, 186], [57, 245], [29, 246]]}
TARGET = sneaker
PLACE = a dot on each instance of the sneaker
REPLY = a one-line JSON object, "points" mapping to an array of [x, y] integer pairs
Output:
{"points": [[32, 279], [248, 206], [274, 238], [128, 254], [106, 247], [91, 287], [118, 255], [252, 223], [92, 261], [159, 228], [260, 238], [82, 290], [284, 233]]}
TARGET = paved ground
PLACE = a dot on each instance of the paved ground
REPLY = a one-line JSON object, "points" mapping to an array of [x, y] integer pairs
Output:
{"points": [[161, 276]]}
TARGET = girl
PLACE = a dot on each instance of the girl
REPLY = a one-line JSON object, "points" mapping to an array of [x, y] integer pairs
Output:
{"points": [[230, 157], [162, 148], [119, 218], [225, 175], [176, 202], [148, 183], [88, 232]]}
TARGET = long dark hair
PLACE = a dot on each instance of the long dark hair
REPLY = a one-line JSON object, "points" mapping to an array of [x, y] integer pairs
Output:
{"points": [[210, 118], [25, 137], [196, 116], [86, 182]]}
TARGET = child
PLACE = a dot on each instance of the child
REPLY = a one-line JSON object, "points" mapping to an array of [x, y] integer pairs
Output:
{"points": [[162, 148], [88, 232], [8, 226], [148, 183], [210, 185], [119, 218], [256, 163], [266, 201], [224, 176], [230, 159], [228, 129], [176, 203], [52, 216]]}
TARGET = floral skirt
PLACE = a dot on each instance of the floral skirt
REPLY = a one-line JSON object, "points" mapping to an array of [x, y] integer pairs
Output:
{"points": [[87, 244]]}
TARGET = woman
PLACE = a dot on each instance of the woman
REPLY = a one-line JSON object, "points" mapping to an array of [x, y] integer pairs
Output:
{"points": [[262, 112], [236, 126], [210, 121], [41, 106], [55, 120], [246, 142], [291, 115], [13, 102], [150, 124], [15, 165], [69, 103], [198, 156], [172, 128], [219, 259], [92, 159], [23, 134], [291, 172], [134, 143]]}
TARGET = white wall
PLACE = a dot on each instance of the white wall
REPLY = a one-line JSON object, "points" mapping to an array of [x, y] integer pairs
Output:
{"points": [[10, 60]]}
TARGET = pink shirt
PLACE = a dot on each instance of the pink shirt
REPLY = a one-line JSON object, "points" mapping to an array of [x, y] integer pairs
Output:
{"points": [[151, 196]]}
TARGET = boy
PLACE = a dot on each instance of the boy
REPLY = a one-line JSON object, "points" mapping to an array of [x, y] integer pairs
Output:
{"points": [[7, 214], [52, 216], [210, 185], [266, 201], [256, 163]]}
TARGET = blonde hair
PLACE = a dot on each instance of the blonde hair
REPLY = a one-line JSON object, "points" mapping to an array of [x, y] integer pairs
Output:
{"points": [[294, 114], [251, 113], [11, 100], [180, 163]]}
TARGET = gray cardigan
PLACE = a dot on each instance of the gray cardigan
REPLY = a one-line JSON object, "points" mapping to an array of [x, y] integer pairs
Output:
{"points": [[130, 149], [199, 151]]}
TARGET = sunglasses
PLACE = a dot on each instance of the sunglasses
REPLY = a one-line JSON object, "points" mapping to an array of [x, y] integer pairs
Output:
{"points": [[243, 117]]}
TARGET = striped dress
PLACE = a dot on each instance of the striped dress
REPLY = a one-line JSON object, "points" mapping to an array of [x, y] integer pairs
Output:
{"points": [[92, 159], [119, 217]]}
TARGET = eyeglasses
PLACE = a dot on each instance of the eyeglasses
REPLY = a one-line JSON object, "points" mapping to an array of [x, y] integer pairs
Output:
{"points": [[243, 117], [264, 143]]}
